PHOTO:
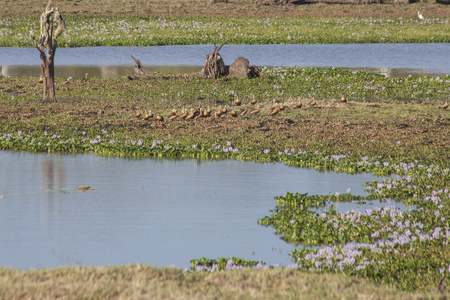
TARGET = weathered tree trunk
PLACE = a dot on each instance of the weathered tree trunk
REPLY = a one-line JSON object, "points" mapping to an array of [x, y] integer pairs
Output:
{"points": [[46, 40], [214, 65]]}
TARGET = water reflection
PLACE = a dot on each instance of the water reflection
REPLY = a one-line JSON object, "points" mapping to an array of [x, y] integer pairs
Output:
{"points": [[389, 59], [159, 212], [104, 72]]}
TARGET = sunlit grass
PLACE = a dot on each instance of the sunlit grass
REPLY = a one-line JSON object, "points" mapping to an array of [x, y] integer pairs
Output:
{"points": [[145, 282]]}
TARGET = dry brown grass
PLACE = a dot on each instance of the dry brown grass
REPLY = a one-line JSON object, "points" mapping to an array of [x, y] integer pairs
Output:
{"points": [[251, 8], [145, 282]]}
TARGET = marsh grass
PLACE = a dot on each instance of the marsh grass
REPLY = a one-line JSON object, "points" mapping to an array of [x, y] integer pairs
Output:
{"points": [[145, 282], [83, 31]]}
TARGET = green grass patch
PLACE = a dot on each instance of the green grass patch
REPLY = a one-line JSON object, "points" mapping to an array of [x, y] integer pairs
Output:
{"points": [[84, 31]]}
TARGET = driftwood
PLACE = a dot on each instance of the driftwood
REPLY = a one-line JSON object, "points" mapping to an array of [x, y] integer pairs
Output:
{"points": [[214, 68], [49, 41]]}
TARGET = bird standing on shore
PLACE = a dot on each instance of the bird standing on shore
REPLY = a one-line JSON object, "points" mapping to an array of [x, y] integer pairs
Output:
{"points": [[274, 111], [85, 79], [256, 110], [237, 101], [243, 112], [67, 81], [420, 16], [184, 114]]}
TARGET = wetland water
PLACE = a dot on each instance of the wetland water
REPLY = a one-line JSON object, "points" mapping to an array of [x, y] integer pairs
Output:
{"points": [[393, 60], [156, 211]]}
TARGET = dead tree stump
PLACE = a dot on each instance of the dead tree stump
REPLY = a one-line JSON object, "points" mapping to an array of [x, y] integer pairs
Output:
{"points": [[47, 40], [214, 65], [214, 68], [138, 68], [241, 69]]}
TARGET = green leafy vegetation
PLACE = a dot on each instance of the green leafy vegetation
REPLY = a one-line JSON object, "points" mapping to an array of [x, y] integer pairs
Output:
{"points": [[222, 263]]}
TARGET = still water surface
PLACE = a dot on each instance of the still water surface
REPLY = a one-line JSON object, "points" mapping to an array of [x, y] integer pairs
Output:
{"points": [[160, 212], [388, 59]]}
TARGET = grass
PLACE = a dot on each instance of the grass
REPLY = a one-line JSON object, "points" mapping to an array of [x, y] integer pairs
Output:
{"points": [[84, 31], [141, 281], [370, 97]]}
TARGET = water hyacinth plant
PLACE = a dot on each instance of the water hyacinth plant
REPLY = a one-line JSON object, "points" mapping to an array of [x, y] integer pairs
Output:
{"points": [[386, 245], [83, 31], [210, 265]]}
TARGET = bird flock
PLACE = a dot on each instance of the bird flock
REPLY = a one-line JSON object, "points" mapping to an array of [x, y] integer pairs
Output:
{"points": [[236, 109]]}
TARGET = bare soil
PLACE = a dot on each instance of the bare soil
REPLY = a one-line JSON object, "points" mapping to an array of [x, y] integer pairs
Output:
{"points": [[251, 8]]}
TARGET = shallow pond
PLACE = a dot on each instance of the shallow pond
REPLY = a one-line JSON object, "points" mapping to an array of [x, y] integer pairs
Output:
{"points": [[389, 59], [160, 212]]}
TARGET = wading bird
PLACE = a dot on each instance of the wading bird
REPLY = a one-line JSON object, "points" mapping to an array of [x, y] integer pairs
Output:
{"points": [[420, 16]]}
